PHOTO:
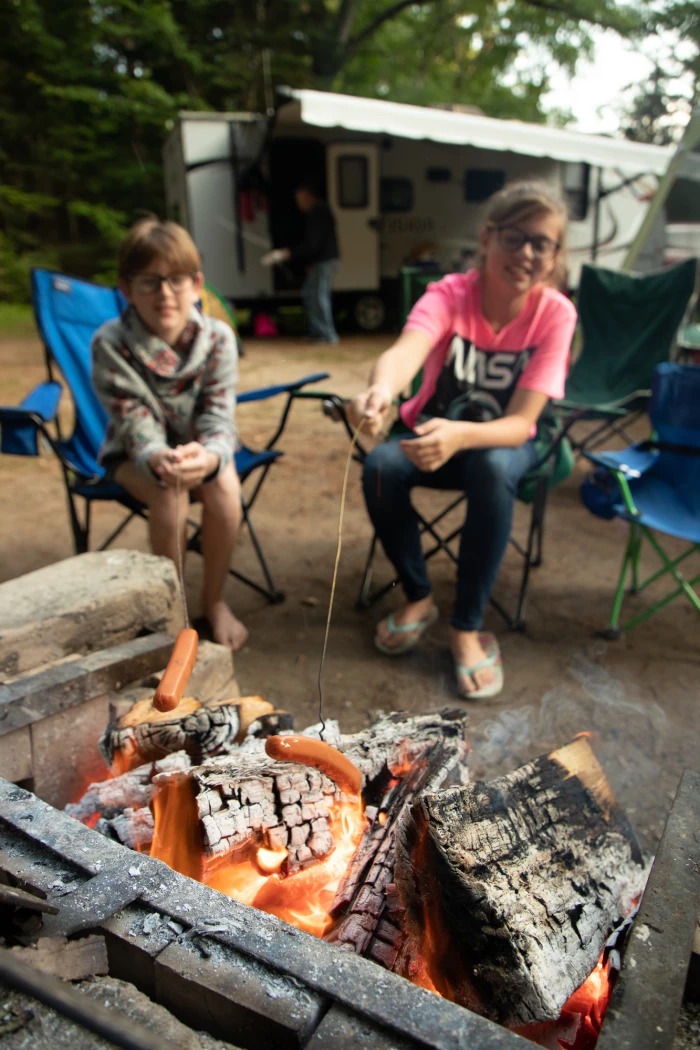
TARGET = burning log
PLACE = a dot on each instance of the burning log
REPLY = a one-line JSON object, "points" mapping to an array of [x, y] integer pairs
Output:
{"points": [[109, 798], [202, 730], [516, 884], [412, 754], [249, 798]]}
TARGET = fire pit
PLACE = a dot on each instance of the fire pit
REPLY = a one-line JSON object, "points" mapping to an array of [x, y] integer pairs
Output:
{"points": [[218, 843]]}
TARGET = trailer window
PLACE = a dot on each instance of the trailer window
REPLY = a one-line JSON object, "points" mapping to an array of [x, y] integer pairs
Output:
{"points": [[575, 182], [353, 181], [395, 194], [481, 183]]}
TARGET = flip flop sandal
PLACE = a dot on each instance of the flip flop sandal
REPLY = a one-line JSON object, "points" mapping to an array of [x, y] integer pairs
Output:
{"points": [[413, 632], [493, 659]]}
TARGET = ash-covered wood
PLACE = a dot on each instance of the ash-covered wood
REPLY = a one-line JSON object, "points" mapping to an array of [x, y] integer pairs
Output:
{"points": [[248, 797], [397, 740], [202, 730], [109, 798], [133, 828], [521, 881], [410, 754]]}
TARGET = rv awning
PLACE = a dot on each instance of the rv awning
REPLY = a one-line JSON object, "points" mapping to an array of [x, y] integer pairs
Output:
{"points": [[327, 110]]}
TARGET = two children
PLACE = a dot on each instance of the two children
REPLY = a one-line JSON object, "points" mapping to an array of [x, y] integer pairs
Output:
{"points": [[166, 375], [493, 346]]}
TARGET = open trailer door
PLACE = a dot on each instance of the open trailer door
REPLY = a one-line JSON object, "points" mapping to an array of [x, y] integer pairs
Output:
{"points": [[353, 195]]}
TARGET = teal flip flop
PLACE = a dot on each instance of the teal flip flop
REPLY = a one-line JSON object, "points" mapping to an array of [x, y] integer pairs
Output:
{"points": [[413, 632], [493, 659]]}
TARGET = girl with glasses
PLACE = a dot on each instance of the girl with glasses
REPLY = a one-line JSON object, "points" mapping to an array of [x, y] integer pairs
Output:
{"points": [[491, 347], [166, 375]]}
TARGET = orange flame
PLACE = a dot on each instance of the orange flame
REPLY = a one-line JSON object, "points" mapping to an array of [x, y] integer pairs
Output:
{"points": [[248, 874], [581, 1019]]}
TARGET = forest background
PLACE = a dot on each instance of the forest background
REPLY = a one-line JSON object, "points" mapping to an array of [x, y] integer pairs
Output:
{"points": [[90, 88]]}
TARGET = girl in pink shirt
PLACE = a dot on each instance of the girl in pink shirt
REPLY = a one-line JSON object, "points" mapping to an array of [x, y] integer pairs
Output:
{"points": [[493, 345]]}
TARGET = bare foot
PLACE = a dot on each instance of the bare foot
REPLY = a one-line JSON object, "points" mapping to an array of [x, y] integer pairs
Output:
{"points": [[411, 612], [226, 629], [468, 651]]}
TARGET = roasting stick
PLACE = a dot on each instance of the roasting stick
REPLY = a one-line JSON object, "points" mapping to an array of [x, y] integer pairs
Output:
{"points": [[355, 436]]}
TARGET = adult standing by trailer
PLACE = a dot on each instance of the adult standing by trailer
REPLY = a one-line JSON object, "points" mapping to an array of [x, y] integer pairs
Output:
{"points": [[318, 251]]}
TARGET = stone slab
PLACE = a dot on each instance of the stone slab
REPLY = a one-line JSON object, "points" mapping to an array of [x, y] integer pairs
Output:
{"points": [[65, 752], [32, 697], [82, 604], [16, 755]]}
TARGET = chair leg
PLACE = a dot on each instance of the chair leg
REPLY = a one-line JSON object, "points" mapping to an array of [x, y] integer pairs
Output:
{"points": [[534, 543], [635, 550], [271, 593], [363, 600], [119, 529], [613, 630], [81, 532]]}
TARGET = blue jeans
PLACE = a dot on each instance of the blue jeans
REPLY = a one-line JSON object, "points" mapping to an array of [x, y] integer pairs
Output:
{"points": [[316, 293], [488, 477]]}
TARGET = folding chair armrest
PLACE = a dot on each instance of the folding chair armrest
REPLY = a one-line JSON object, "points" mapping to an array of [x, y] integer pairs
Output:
{"points": [[613, 408], [21, 423], [292, 390], [42, 402], [282, 388], [629, 463]]}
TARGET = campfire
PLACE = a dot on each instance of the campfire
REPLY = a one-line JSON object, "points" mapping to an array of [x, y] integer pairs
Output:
{"points": [[504, 897]]}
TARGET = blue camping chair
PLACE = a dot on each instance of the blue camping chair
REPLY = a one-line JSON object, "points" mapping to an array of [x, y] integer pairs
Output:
{"points": [[657, 488], [68, 311]]}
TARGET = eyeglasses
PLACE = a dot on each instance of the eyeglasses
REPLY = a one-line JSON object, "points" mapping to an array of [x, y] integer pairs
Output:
{"points": [[511, 239], [149, 283]]}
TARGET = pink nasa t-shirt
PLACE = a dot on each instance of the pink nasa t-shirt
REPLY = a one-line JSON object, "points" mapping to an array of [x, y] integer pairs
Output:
{"points": [[530, 353]]}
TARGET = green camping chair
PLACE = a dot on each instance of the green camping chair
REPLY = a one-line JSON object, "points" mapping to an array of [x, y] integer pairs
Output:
{"points": [[629, 324]]}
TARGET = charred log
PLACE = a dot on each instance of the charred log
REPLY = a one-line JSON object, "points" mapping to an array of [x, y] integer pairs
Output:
{"points": [[249, 798], [202, 730], [133, 790], [417, 753], [512, 887]]}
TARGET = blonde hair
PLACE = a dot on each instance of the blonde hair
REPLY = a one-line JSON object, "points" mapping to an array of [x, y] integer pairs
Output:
{"points": [[521, 200], [150, 239]]}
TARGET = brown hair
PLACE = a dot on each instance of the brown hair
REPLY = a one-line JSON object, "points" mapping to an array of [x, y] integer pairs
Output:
{"points": [[150, 239], [521, 200]]}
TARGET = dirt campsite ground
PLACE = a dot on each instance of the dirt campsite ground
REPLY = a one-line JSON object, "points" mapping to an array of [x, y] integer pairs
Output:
{"points": [[638, 697]]}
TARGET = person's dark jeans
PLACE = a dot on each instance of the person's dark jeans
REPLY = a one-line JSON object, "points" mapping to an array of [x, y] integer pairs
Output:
{"points": [[317, 295], [488, 477]]}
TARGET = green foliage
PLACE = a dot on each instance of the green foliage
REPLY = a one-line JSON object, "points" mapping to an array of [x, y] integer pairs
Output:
{"points": [[16, 321], [659, 108], [89, 88]]}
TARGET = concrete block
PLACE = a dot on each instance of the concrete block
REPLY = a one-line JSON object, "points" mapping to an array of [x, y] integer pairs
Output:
{"points": [[65, 753], [16, 755], [212, 674], [92, 601]]}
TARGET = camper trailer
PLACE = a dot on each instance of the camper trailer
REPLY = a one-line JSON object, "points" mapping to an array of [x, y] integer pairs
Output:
{"points": [[407, 185]]}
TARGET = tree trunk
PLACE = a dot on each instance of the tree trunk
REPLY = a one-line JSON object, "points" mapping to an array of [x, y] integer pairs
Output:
{"points": [[513, 887]]}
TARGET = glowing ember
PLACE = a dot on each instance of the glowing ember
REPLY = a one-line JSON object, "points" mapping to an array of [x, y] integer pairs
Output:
{"points": [[581, 1020], [270, 860], [251, 874]]}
